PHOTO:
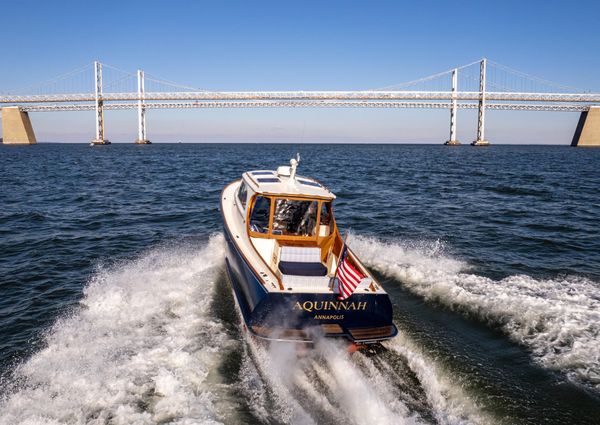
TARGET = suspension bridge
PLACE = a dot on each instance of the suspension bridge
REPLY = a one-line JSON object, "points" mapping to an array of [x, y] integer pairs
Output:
{"points": [[485, 85]]}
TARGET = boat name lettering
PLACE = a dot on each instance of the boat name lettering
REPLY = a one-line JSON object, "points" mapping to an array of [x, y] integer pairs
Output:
{"points": [[329, 317], [311, 306]]}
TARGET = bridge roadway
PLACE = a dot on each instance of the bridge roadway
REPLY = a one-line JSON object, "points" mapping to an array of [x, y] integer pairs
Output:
{"points": [[306, 96], [562, 107]]}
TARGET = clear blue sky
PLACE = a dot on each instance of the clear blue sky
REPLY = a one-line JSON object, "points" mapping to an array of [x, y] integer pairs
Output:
{"points": [[302, 45]]}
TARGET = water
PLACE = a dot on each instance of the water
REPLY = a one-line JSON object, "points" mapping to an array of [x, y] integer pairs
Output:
{"points": [[115, 309]]}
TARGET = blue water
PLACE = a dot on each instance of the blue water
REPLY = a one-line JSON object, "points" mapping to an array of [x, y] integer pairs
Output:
{"points": [[114, 307]]}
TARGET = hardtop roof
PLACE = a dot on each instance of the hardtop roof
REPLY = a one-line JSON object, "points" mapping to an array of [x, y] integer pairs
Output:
{"points": [[269, 182]]}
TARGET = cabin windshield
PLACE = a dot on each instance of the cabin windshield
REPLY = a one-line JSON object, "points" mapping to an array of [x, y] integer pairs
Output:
{"points": [[286, 217], [294, 217], [259, 220]]}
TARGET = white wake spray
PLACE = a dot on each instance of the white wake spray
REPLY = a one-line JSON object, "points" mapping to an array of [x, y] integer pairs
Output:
{"points": [[558, 319], [138, 351], [450, 404], [145, 348], [325, 379]]}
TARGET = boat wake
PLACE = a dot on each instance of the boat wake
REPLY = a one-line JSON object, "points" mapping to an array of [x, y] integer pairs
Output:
{"points": [[394, 384], [140, 349], [557, 319], [155, 341]]}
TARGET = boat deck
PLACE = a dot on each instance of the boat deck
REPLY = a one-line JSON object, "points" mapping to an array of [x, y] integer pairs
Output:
{"points": [[268, 257]]}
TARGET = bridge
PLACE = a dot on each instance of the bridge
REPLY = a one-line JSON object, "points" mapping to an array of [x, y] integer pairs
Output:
{"points": [[487, 86]]}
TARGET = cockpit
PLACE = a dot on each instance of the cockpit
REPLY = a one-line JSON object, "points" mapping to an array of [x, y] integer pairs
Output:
{"points": [[296, 237], [290, 224], [290, 218]]}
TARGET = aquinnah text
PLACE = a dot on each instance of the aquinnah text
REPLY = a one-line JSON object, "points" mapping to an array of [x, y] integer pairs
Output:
{"points": [[311, 306]]}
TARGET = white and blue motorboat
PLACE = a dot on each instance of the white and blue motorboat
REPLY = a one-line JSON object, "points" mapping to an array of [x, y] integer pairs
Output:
{"points": [[283, 253]]}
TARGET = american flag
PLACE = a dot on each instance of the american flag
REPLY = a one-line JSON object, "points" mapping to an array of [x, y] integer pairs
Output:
{"points": [[348, 276]]}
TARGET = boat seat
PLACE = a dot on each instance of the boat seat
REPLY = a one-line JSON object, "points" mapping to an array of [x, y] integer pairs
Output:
{"points": [[302, 269], [301, 261], [306, 283]]}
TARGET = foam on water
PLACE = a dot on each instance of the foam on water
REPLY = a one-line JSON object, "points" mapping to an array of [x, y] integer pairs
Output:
{"points": [[327, 385], [444, 393], [325, 382], [557, 319], [144, 347], [139, 350]]}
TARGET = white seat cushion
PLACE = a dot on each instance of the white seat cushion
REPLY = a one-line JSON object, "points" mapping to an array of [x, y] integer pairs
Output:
{"points": [[306, 283], [298, 254]]}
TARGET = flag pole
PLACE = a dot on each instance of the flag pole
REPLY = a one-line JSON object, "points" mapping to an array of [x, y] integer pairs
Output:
{"points": [[339, 260]]}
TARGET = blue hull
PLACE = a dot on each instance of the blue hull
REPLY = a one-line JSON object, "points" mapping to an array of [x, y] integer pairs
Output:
{"points": [[362, 318]]}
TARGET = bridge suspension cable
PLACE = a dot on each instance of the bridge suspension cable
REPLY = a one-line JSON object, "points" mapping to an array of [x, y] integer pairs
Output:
{"points": [[167, 83], [69, 82], [116, 80], [426, 79], [532, 78], [500, 78]]}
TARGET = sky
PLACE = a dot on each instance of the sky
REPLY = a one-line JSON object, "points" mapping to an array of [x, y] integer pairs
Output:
{"points": [[301, 45]]}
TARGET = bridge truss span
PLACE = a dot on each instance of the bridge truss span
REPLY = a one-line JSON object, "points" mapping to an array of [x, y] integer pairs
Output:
{"points": [[305, 95], [307, 104]]}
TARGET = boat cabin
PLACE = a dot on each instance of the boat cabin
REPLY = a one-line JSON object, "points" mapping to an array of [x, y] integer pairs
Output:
{"points": [[290, 223]]}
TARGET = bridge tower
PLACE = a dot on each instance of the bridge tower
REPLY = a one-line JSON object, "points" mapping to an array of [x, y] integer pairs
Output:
{"points": [[99, 140], [141, 140], [453, 141], [481, 110]]}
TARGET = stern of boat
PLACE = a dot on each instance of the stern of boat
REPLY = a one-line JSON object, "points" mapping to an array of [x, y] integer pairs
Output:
{"points": [[362, 318]]}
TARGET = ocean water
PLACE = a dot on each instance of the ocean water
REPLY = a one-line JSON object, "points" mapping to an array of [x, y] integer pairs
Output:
{"points": [[115, 307]]}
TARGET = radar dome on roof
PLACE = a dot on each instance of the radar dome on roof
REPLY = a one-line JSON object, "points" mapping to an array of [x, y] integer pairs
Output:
{"points": [[289, 171]]}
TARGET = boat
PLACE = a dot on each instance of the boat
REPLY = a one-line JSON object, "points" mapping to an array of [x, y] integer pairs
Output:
{"points": [[283, 262]]}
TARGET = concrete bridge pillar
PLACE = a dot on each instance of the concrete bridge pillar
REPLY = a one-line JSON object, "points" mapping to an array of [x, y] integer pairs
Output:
{"points": [[587, 132], [99, 140], [141, 140], [453, 141], [481, 110], [17, 127]]}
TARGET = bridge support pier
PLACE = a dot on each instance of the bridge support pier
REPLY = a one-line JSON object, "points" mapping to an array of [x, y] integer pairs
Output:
{"points": [[587, 133], [481, 110], [17, 127], [453, 141], [141, 140], [99, 140]]}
